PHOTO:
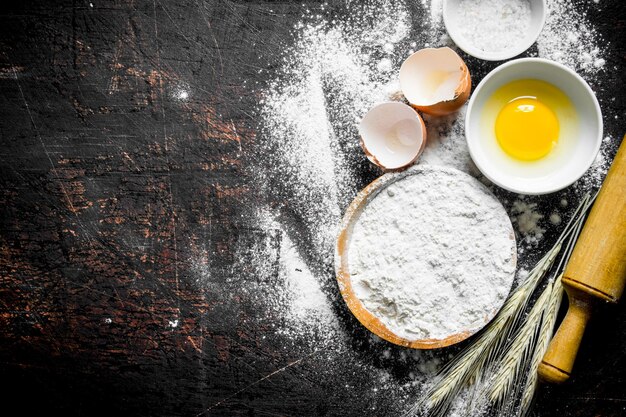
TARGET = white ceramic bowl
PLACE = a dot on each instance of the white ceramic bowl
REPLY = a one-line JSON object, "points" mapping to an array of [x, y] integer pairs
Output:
{"points": [[583, 140], [454, 23]]}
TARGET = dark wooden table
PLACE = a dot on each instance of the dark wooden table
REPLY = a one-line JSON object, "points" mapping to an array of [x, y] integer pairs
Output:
{"points": [[114, 195]]}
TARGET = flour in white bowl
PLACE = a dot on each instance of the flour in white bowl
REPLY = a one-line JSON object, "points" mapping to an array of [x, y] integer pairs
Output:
{"points": [[432, 254], [494, 25]]}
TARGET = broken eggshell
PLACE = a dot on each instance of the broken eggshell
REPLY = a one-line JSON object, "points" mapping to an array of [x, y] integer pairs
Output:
{"points": [[435, 81], [393, 135]]}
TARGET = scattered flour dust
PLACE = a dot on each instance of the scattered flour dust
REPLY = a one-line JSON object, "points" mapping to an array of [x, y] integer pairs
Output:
{"points": [[446, 144], [528, 220], [309, 113], [467, 404], [431, 264], [307, 302], [555, 218], [595, 175], [568, 38], [293, 292]]}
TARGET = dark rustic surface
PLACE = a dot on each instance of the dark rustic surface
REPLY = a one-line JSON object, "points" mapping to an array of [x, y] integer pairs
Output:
{"points": [[112, 189]]}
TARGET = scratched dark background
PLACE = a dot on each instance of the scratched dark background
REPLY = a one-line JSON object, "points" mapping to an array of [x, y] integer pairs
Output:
{"points": [[112, 188]]}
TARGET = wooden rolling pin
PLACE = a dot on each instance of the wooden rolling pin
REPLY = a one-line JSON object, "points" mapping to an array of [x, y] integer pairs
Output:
{"points": [[596, 270]]}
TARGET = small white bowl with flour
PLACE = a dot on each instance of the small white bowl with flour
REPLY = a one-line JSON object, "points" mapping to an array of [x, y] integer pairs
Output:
{"points": [[425, 257], [494, 30]]}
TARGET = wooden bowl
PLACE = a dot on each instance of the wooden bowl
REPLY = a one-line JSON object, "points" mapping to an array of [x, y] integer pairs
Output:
{"points": [[367, 319]]}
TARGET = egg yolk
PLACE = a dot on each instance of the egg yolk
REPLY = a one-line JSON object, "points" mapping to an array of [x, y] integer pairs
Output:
{"points": [[527, 129]]}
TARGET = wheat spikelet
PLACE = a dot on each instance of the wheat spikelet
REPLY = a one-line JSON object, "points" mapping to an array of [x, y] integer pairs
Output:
{"points": [[543, 340], [514, 358]]}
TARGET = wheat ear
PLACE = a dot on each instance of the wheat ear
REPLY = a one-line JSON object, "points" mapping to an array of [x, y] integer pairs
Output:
{"points": [[543, 340], [514, 359]]}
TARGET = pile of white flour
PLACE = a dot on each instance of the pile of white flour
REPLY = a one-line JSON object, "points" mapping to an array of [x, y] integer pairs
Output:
{"points": [[432, 255], [494, 25]]}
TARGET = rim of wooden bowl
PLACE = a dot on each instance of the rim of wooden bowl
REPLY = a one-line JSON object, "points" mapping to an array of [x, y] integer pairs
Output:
{"points": [[367, 319]]}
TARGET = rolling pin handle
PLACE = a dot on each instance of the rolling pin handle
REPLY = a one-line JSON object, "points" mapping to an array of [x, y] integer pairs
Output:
{"points": [[556, 366]]}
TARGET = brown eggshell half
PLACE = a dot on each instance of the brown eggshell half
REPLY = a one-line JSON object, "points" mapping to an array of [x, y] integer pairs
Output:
{"points": [[426, 61], [372, 155]]}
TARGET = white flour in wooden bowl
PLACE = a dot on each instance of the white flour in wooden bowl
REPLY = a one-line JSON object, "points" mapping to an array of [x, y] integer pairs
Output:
{"points": [[432, 254]]}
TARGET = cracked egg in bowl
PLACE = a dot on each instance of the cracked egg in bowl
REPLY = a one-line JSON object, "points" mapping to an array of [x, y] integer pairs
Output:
{"points": [[533, 126]]}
